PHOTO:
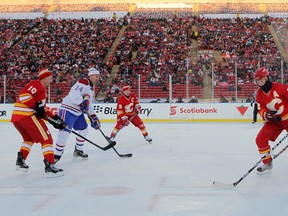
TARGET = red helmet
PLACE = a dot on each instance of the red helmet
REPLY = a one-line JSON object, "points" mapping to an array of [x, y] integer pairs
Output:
{"points": [[126, 87], [261, 73]]}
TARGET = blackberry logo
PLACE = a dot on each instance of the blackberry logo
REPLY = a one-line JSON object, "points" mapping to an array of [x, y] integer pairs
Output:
{"points": [[98, 109], [3, 113], [111, 110]]}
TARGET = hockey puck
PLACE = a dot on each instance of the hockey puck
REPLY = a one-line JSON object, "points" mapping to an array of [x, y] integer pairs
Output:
{"points": [[129, 155]]}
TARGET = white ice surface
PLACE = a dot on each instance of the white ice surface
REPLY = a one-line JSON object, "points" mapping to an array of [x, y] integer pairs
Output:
{"points": [[173, 176]]}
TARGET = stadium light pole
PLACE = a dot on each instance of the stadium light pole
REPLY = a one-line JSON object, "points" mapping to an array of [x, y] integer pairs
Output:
{"points": [[139, 86], [236, 80], [282, 78], [187, 78], [213, 96], [4, 92]]}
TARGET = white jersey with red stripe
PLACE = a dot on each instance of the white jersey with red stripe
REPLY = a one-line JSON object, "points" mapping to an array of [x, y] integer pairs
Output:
{"points": [[83, 88]]}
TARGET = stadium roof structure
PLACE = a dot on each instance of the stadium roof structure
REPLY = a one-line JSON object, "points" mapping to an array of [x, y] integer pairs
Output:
{"points": [[55, 2]]}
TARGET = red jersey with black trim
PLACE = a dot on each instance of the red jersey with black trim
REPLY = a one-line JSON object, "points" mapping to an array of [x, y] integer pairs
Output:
{"points": [[33, 92], [126, 105], [276, 99]]}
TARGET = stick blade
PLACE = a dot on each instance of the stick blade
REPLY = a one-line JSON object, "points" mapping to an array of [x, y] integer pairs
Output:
{"points": [[111, 145], [126, 155], [222, 185]]}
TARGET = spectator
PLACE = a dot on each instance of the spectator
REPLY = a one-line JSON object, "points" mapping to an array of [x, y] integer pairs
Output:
{"points": [[109, 98], [249, 99], [179, 100], [57, 99], [223, 100], [193, 99], [156, 101]]}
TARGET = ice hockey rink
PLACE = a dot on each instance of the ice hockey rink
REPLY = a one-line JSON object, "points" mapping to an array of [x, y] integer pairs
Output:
{"points": [[172, 176]]}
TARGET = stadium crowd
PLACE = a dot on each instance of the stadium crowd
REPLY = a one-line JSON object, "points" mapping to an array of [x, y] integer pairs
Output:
{"points": [[156, 43]]}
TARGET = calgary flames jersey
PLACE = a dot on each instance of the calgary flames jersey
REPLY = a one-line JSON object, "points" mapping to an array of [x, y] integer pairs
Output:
{"points": [[33, 92], [276, 99], [126, 105]]}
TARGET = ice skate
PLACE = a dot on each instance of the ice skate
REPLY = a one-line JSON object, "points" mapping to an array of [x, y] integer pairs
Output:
{"points": [[147, 138], [51, 170], [80, 154], [57, 158], [265, 168], [20, 163]]}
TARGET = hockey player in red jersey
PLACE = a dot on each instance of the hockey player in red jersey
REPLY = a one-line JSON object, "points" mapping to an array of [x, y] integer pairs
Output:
{"points": [[272, 99], [27, 117], [128, 108]]}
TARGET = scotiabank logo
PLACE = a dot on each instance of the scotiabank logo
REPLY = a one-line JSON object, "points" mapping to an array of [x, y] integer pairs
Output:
{"points": [[173, 110], [200, 110]]}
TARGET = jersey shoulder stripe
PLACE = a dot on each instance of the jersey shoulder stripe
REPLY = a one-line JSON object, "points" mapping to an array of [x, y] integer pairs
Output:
{"points": [[84, 81]]}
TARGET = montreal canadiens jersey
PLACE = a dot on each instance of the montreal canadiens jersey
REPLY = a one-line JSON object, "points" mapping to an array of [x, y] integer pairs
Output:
{"points": [[126, 105], [80, 90], [276, 99], [24, 106]]}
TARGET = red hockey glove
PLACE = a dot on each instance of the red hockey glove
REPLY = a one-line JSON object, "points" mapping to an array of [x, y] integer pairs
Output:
{"points": [[272, 116], [138, 108], [95, 122], [125, 120]]}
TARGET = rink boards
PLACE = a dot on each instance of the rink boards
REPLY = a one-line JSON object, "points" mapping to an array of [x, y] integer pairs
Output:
{"points": [[165, 112]]}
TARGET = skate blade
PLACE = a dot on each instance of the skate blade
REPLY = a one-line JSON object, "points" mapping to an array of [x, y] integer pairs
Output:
{"points": [[264, 173], [21, 169], [79, 157], [54, 175]]}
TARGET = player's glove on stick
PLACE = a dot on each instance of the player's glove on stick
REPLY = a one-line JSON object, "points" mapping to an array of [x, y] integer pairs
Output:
{"points": [[95, 122], [39, 109], [125, 120], [272, 116], [58, 123], [138, 108]]}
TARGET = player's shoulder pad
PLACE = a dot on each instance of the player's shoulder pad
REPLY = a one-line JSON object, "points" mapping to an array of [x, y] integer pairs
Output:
{"points": [[37, 84], [84, 81]]}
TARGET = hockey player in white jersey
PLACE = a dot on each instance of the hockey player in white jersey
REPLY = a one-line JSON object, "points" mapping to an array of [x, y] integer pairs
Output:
{"points": [[77, 103]]}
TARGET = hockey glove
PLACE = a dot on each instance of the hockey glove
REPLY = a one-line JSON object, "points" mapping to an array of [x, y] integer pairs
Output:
{"points": [[138, 108], [125, 120], [95, 122], [84, 106], [58, 123], [272, 116], [39, 109]]}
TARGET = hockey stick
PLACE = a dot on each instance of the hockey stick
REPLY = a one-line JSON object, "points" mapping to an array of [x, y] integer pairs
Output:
{"points": [[111, 144], [226, 185], [109, 141]]}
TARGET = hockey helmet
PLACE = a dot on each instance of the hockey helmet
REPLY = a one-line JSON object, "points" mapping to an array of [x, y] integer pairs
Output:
{"points": [[261, 73], [126, 87]]}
